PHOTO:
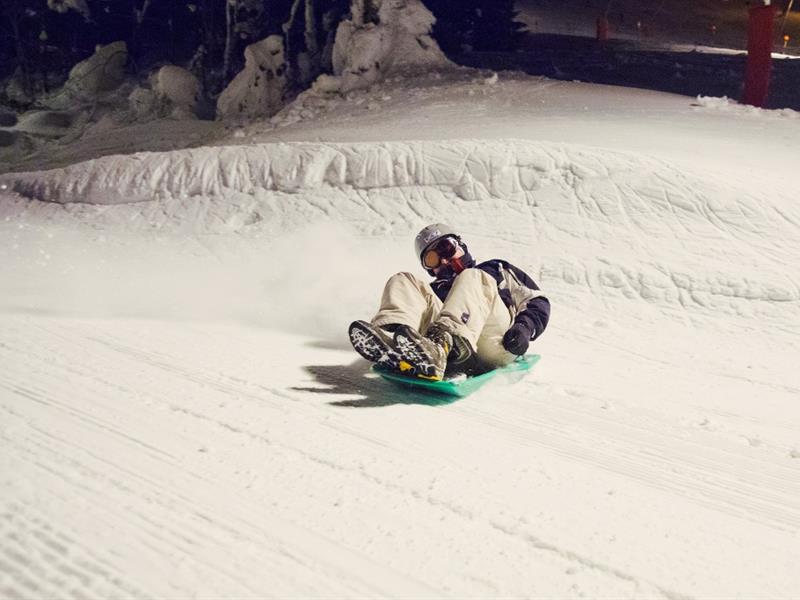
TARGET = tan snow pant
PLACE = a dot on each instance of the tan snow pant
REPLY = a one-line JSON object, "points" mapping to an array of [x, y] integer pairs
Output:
{"points": [[473, 309]]}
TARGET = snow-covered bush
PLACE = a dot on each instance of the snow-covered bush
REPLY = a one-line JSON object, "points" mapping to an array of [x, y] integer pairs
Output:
{"points": [[15, 90], [258, 90], [142, 103], [170, 92], [103, 71], [177, 90]]}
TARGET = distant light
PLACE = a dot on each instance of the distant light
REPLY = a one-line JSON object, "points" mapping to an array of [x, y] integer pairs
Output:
{"points": [[3, 186]]}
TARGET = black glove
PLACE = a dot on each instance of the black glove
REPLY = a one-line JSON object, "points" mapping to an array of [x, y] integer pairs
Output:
{"points": [[517, 339]]}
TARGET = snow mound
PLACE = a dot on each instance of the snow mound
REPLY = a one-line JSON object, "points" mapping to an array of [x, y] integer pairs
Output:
{"points": [[725, 104], [472, 169], [604, 223]]}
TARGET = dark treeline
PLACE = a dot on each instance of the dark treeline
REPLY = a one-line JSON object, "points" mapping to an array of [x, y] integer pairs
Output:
{"points": [[40, 40]]}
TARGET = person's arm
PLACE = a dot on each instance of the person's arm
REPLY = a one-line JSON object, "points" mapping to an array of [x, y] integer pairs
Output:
{"points": [[532, 306]]}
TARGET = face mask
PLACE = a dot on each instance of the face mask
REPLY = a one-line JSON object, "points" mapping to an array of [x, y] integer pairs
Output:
{"points": [[454, 267]]}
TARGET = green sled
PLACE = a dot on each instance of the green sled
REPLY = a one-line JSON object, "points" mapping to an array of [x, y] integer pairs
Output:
{"points": [[462, 387]]}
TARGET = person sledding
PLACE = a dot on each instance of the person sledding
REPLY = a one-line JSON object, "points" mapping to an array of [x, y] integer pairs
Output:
{"points": [[472, 318]]}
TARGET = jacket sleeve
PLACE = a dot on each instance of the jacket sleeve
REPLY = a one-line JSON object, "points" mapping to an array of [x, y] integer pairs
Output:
{"points": [[530, 305]]}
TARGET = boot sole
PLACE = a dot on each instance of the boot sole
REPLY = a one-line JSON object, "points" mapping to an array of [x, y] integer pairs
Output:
{"points": [[371, 346], [411, 347]]}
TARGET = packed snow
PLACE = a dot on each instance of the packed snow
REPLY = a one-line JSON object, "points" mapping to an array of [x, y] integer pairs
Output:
{"points": [[183, 416]]}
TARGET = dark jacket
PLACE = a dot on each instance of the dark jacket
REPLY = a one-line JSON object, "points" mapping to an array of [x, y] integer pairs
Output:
{"points": [[518, 292]]}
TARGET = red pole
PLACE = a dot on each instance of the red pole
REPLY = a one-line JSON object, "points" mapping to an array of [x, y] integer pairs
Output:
{"points": [[602, 29], [759, 55]]}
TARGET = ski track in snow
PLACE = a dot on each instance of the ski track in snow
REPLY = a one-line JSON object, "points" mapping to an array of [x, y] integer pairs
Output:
{"points": [[652, 454], [163, 490]]}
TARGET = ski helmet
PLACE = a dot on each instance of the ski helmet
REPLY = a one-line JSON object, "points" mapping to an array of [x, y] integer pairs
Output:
{"points": [[430, 234]]}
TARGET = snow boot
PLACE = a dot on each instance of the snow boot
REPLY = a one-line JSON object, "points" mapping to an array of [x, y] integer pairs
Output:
{"points": [[461, 356], [426, 358], [376, 344]]}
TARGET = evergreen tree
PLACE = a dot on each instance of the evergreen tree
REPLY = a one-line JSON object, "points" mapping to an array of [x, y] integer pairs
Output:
{"points": [[475, 25]]}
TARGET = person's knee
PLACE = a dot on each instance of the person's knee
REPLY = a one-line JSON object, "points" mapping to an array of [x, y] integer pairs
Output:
{"points": [[475, 277], [401, 276], [407, 281]]}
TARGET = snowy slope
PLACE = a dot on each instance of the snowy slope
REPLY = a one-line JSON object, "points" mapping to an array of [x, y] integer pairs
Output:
{"points": [[182, 415]]}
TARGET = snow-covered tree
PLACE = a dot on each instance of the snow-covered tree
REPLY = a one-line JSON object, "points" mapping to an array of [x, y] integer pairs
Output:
{"points": [[63, 6], [359, 39], [309, 31], [240, 25], [259, 89], [475, 25], [370, 46], [34, 51]]}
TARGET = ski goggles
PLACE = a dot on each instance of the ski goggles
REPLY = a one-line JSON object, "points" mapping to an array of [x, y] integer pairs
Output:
{"points": [[443, 249]]}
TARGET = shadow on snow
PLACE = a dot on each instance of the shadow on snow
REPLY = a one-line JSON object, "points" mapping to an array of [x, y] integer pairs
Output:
{"points": [[357, 379]]}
